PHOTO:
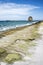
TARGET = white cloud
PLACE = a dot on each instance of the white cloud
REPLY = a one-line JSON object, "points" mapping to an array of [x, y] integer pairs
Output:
{"points": [[15, 11]]}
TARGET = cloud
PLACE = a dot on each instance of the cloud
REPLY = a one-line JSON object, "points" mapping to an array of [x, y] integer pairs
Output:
{"points": [[13, 11]]}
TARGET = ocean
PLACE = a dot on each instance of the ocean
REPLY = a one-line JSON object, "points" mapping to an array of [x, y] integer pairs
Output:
{"points": [[5, 25]]}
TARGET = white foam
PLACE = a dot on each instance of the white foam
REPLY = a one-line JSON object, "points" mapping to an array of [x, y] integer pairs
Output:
{"points": [[14, 27]]}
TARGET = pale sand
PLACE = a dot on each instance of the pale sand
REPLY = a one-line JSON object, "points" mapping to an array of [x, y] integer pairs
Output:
{"points": [[22, 33]]}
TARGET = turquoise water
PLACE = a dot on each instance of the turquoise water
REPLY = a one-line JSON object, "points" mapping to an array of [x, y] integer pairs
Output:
{"points": [[4, 25]]}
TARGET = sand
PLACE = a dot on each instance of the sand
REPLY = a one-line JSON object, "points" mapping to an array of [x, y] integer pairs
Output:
{"points": [[21, 33], [21, 40]]}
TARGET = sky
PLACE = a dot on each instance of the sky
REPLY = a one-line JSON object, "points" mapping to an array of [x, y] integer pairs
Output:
{"points": [[21, 9]]}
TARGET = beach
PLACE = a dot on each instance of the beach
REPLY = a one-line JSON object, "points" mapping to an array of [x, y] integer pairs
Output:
{"points": [[25, 32], [22, 40]]}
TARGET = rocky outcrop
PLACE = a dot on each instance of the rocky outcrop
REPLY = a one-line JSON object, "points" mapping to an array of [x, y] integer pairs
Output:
{"points": [[2, 51], [30, 18], [12, 57]]}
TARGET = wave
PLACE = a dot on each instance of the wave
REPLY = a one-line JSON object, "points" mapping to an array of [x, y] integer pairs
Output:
{"points": [[4, 28]]}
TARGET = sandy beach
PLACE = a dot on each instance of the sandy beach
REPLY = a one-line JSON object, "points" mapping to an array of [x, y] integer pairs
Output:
{"points": [[26, 32], [22, 40]]}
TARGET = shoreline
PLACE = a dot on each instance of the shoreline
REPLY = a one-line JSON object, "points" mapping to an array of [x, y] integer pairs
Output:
{"points": [[21, 40], [22, 26], [18, 28]]}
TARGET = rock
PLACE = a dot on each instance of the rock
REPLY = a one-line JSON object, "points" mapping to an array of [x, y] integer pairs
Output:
{"points": [[2, 51], [2, 35], [31, 38], [12, 57], [30, 18]]}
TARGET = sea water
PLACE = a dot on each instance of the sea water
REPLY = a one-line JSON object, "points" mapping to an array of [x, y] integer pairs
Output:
{"points": [[5, 25]]}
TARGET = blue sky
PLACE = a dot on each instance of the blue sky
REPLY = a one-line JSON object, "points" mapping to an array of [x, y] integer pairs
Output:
{"points": [[21, 9]]}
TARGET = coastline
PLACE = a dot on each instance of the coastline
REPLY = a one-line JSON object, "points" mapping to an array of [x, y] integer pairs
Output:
{"points": [[8, 31], [26, 32], [21, 39]]}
